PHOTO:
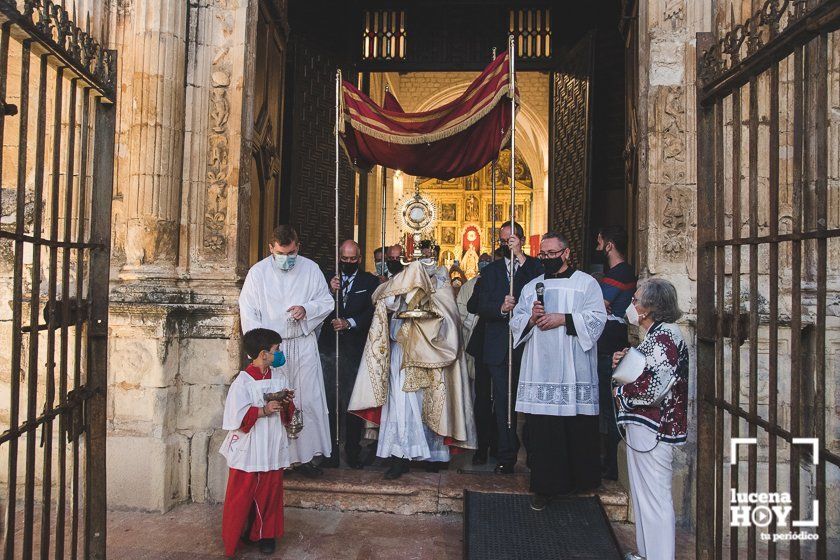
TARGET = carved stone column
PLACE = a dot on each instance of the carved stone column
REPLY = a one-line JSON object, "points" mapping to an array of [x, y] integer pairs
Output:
{"points": [[151, 38]]}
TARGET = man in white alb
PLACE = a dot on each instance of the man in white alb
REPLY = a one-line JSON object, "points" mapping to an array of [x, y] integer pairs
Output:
{"points": [[558, 382], [287, 293]]}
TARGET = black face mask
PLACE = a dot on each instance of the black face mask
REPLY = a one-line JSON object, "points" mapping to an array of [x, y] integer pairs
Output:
{"points": [[505, 251], [349, 268], [552, 266], [394, 267]]}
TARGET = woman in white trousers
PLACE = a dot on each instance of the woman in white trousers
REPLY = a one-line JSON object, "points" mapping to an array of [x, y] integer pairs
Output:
{"points": [[653, 411]]}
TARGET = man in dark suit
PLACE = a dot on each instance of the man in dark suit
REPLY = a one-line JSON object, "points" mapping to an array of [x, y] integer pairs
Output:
{"points": [[494, 305], [355, 288]]}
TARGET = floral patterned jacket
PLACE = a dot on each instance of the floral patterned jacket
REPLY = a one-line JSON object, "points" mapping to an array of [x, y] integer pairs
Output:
{"points": [[667, 359]]}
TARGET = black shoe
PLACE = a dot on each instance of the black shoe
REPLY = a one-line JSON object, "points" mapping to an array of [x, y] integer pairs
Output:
{"points": [[432, 466], [504, 468], [309, 470], [539, 502], [354, 462], [479, 457], [268, 546], [330, 462], [398, 468], [368, 455]]}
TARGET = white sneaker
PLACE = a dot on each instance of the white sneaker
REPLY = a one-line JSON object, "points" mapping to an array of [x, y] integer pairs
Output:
{"points": [[633, 556]]}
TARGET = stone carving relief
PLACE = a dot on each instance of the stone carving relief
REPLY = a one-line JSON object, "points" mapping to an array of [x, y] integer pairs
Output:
{"points": [[673, 135], [674, 11], [218, 164], [675, 217]]}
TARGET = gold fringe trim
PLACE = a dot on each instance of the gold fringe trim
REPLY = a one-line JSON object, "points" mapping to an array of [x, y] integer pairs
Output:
{"points": [[434, 136]]}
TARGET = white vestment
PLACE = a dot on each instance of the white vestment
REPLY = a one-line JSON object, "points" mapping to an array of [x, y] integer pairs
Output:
{"points": [[265, 447], [266, 296], [559, 374], [402, 432]]}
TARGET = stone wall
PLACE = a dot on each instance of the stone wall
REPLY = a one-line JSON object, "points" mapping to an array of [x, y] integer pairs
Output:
{"points": [[184, 128], [666, 227]]}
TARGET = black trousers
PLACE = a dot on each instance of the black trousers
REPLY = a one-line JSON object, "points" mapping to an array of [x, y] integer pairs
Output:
{"points": [[609, 430], [352, 426], [563, 453], [485, 421], [508, 442]]}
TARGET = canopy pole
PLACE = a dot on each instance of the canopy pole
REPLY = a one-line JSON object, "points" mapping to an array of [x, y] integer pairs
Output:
{"points": [[337, 260], [384, 197], [492, 243], [512, 82]]}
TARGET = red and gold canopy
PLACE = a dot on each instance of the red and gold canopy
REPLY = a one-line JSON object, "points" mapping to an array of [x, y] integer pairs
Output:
{"points": [[452, 140]]}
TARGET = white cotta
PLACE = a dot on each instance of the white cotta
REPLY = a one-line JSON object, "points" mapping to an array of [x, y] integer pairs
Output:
{"points": [[559, 373], [266, 296], [265, 447]]}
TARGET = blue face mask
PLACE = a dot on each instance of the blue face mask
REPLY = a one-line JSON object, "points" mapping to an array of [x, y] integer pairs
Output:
{"points": [[482, 265], [279, 359], [283, 263], [381, 268]]}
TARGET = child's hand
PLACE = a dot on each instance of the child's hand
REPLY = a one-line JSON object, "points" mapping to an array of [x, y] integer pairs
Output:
{"points": [[272, 407]]}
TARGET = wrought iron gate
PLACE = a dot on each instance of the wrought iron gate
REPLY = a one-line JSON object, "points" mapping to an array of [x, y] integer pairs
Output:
{"points": [[766, 241], [57, 98]]}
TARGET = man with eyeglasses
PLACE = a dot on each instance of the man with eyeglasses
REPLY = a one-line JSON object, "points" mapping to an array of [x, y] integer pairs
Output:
{"points": [[558, 320], [493, 305], [355, 288]]}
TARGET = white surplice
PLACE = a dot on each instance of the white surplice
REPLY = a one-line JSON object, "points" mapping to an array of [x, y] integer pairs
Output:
{"points": [[263, 303], [559, 374], [402, 432], [265, 447]]}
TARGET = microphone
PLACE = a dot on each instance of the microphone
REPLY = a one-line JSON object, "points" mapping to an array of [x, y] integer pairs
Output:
{"points": [[540, 289]]}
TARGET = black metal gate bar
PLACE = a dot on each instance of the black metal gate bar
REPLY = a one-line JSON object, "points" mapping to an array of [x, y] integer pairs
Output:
{"points": [[735, 340], [46, 427], [720, 285], [707, 348], [819, 84], [97, 336], [752, 467], [34, 307], [796, 272], [80, 321], [17, 301], [722, 74], [773, 350]]}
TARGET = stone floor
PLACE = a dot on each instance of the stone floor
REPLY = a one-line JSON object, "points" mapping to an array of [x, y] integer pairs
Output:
{"points": [[192, 532]]}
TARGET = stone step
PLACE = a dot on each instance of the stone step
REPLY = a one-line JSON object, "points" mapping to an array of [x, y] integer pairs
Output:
{"points": [[419, 492]]}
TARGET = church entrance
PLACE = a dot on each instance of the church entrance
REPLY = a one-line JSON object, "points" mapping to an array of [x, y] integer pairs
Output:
{"points": [[575, 161]]}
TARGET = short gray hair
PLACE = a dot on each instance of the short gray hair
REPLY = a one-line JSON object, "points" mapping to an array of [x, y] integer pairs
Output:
{"points": [[558, 236], [659, 297]]}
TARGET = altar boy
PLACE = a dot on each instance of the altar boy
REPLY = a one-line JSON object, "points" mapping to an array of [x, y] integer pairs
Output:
{"points": [[256, 447]]}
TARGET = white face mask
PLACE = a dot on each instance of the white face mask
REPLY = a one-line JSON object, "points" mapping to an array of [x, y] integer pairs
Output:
{"points": [[283, 263], [632, 315]]}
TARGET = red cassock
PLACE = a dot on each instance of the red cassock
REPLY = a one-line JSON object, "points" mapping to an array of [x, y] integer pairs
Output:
{"points": [[253, 497], [257, 496]]}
